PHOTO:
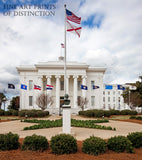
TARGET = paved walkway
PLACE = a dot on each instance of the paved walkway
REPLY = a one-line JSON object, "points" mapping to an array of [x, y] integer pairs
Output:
{"points": [[122, 128]]}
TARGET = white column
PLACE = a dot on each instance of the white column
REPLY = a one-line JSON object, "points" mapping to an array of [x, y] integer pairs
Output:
{"points": [[67, 84], [84, 83], [49, 83], [75, 91], [57, 91]]}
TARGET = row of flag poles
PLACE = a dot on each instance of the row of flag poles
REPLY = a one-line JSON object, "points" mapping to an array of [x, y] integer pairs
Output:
{"points": [[36, 87], [50, 87]]}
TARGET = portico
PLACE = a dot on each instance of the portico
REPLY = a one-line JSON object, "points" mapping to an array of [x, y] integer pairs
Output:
{"points": [[52, 73]]}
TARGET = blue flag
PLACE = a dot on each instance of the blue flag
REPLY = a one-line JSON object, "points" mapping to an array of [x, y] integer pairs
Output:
{"points": [[120, 87], [11, 86], [108, 87], [84, 87], [95, 87], [23, 86]]}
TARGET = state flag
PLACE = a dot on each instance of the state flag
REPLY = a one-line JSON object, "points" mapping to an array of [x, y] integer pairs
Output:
{"points": [[23, 86], [132, 87], [120, 87], [49, 87], [84, 87], [37, 87], [95, 87], [108, 87], [73, 29], [11, 86], [72, 17]]}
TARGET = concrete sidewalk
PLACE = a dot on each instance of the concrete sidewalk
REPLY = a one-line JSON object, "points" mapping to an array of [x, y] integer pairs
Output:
{"points": [[122, 128]]}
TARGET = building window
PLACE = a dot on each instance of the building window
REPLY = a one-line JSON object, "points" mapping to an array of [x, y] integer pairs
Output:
{"points": [[109, 106], [92, 84], [78, 100], [30, 84], [92, 100], [108, 92], [119, 92], [119, 106], [113, 99], [113, 106], [104, 106], [113, 92], [103, 92], [118, 99], [62, 85], [108, 99], [30, 100], [103, 99], [79, 85]]}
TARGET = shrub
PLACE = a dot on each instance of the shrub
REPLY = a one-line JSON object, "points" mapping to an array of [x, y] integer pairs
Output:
{"points": [[94, 146], [120, 144], [14, 112], [9, 141], [132, 117], [63, 144], [139, 118], [1, 112], [136, 139], [33, 113], [35, 143], [114, 112], [7, 113]]}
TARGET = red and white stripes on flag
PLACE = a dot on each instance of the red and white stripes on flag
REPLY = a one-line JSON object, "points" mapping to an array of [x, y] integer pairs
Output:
{"points": [[37, 87], [72, 17], [73, 29], [49, 87], [62, 45]]}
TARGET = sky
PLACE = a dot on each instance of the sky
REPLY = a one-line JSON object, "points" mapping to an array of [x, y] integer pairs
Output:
{"points": [[111, 37]]}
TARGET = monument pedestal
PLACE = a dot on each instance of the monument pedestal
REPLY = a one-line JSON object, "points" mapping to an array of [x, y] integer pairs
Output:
{"points": [[66, 119]]}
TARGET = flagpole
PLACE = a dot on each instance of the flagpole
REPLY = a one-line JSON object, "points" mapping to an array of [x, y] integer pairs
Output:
{"points": [[65, 72]]}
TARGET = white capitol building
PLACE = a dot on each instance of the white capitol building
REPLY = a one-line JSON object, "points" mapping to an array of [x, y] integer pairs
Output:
{"points": [[52, 73]]}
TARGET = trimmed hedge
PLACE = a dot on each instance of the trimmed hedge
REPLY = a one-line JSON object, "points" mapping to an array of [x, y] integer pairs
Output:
{"points": [[9, 141], [100, 113], [120, 144], [33, 113], [1, 112], [134, 117], [74, 122], [136, 139], [63, 144], [35, 143], [94, 146]]}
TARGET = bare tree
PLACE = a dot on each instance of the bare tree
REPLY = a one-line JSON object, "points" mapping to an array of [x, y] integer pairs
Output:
{"points": [[82, 102], [44, 100]]}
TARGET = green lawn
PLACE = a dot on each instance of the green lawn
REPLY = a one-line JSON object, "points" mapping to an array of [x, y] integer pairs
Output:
{"points": [[120, 117], [9, 117]]}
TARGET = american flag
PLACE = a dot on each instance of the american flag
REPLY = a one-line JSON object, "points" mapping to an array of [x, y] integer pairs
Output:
{"points": [[72, 17], [37, 87], [49, 87], [62, 45]]}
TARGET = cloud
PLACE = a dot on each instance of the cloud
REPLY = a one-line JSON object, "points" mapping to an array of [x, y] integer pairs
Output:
{"points": [[115, 43]]}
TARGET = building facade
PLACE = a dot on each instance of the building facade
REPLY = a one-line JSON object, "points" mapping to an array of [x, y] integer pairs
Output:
{"points": [[52, 73], [112, 97]]}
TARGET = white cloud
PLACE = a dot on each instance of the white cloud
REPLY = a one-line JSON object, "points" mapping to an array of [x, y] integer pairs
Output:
{"points": [[115, 45]]}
